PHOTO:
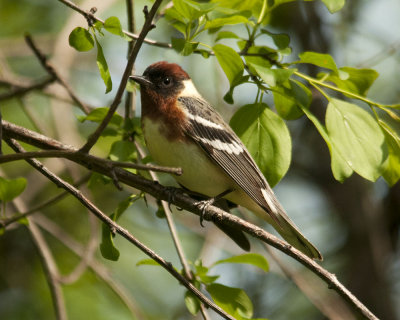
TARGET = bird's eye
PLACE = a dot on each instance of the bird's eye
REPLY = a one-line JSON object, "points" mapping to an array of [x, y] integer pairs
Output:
{"points": [[167, 81]]}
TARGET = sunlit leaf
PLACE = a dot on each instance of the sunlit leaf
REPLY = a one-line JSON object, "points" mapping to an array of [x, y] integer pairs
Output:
{"points": [[122, 150], [354, 80], [107, 247], [340, 169], [226, 35], [272, 77], [113, 25], [81, 39], [266, 137], [322, 60], [98, 114], [103, 67], [183, 47], [357, 137], [288, 96], [229, 61], [392, 165], [254, 259], [232, 300], [147, 262], [220, 22], [192, 303], [334, 5], [11, 188]]}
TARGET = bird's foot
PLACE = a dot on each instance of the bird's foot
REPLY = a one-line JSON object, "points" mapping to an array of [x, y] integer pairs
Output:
{"points": [[171, 197], [204, 204]]}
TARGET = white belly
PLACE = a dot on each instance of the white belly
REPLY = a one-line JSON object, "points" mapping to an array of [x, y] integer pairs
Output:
{"points": [[200, 174]]}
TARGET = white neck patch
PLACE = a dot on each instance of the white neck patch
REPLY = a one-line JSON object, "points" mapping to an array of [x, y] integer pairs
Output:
{"points": [[189, 89]]}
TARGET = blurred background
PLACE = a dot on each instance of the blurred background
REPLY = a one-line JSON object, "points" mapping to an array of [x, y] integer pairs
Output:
{"points": [[355, 224]]}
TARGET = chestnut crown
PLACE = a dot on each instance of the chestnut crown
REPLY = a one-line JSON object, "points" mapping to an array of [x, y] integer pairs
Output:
{"points": [[163, 77]]}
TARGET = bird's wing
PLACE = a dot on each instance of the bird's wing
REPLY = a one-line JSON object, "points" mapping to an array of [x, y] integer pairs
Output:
{"points": [[223, 146]]}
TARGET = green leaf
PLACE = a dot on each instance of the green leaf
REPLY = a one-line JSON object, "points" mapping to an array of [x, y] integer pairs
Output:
{"points": [[334, 5], [254, 259], [11, 188], [98, 25], [263, 57], [202, 273], [98, 114], [176, 19], [392, 165], [24, 221], [281, 40], [192, 303], [122, 151], [288, 96], [272, 77], [103, 67], [232, 300], [266, 137], [187, 9], [107, 247], [147, 262], [354, 80], [357, 137], [322, 60], [339, 166], [226, 35], [220, 22], [97, 179], [81, 39], [229, 61], [113, 25], [183, 47]]}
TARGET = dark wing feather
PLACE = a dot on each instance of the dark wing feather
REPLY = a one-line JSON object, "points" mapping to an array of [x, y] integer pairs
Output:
{"points": [[238, 165]]}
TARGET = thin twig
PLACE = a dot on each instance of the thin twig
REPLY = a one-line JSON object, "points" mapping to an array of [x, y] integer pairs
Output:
{"points": [[212, 213], [96, 266], [118, 229], [52, 71], [171, 226], [91, 17], [18, 91], [50, 269], [147, 26], [51, 272], [130, 96], [77, 156]]}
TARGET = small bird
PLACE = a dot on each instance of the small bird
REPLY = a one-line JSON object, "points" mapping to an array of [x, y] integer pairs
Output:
{"points": [[181, 129]]}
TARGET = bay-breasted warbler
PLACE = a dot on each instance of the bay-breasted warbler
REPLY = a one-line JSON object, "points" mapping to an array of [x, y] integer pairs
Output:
{"points": [[181, 129]]}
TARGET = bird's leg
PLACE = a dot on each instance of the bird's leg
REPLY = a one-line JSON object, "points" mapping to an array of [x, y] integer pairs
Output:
{"points": [[171, 196], [204, 204]]}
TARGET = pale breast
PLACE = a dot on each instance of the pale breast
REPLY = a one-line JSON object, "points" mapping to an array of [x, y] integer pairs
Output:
{"points": [[200, 174]]}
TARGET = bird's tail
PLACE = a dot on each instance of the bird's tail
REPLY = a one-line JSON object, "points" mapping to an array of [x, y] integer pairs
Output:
{"points": [[294, 237], [288, 230]]}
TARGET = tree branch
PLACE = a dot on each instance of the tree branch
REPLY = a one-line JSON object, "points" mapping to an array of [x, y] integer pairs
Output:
{"points": [[118, 229], [78, 157], [51, 271], [96, 266], [54, 74], [147, 26], [17, 91], [212, 213], [14, 218]]}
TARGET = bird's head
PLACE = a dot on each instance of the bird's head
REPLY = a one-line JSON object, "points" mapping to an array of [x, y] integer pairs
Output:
{"points": [[163, 79]]}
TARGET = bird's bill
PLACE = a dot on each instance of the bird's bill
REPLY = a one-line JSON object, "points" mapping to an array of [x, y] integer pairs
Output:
{"points": [[141, 80]]}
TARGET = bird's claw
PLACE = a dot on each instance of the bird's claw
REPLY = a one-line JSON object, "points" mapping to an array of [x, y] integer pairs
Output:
{"points": [[203, 205]]}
